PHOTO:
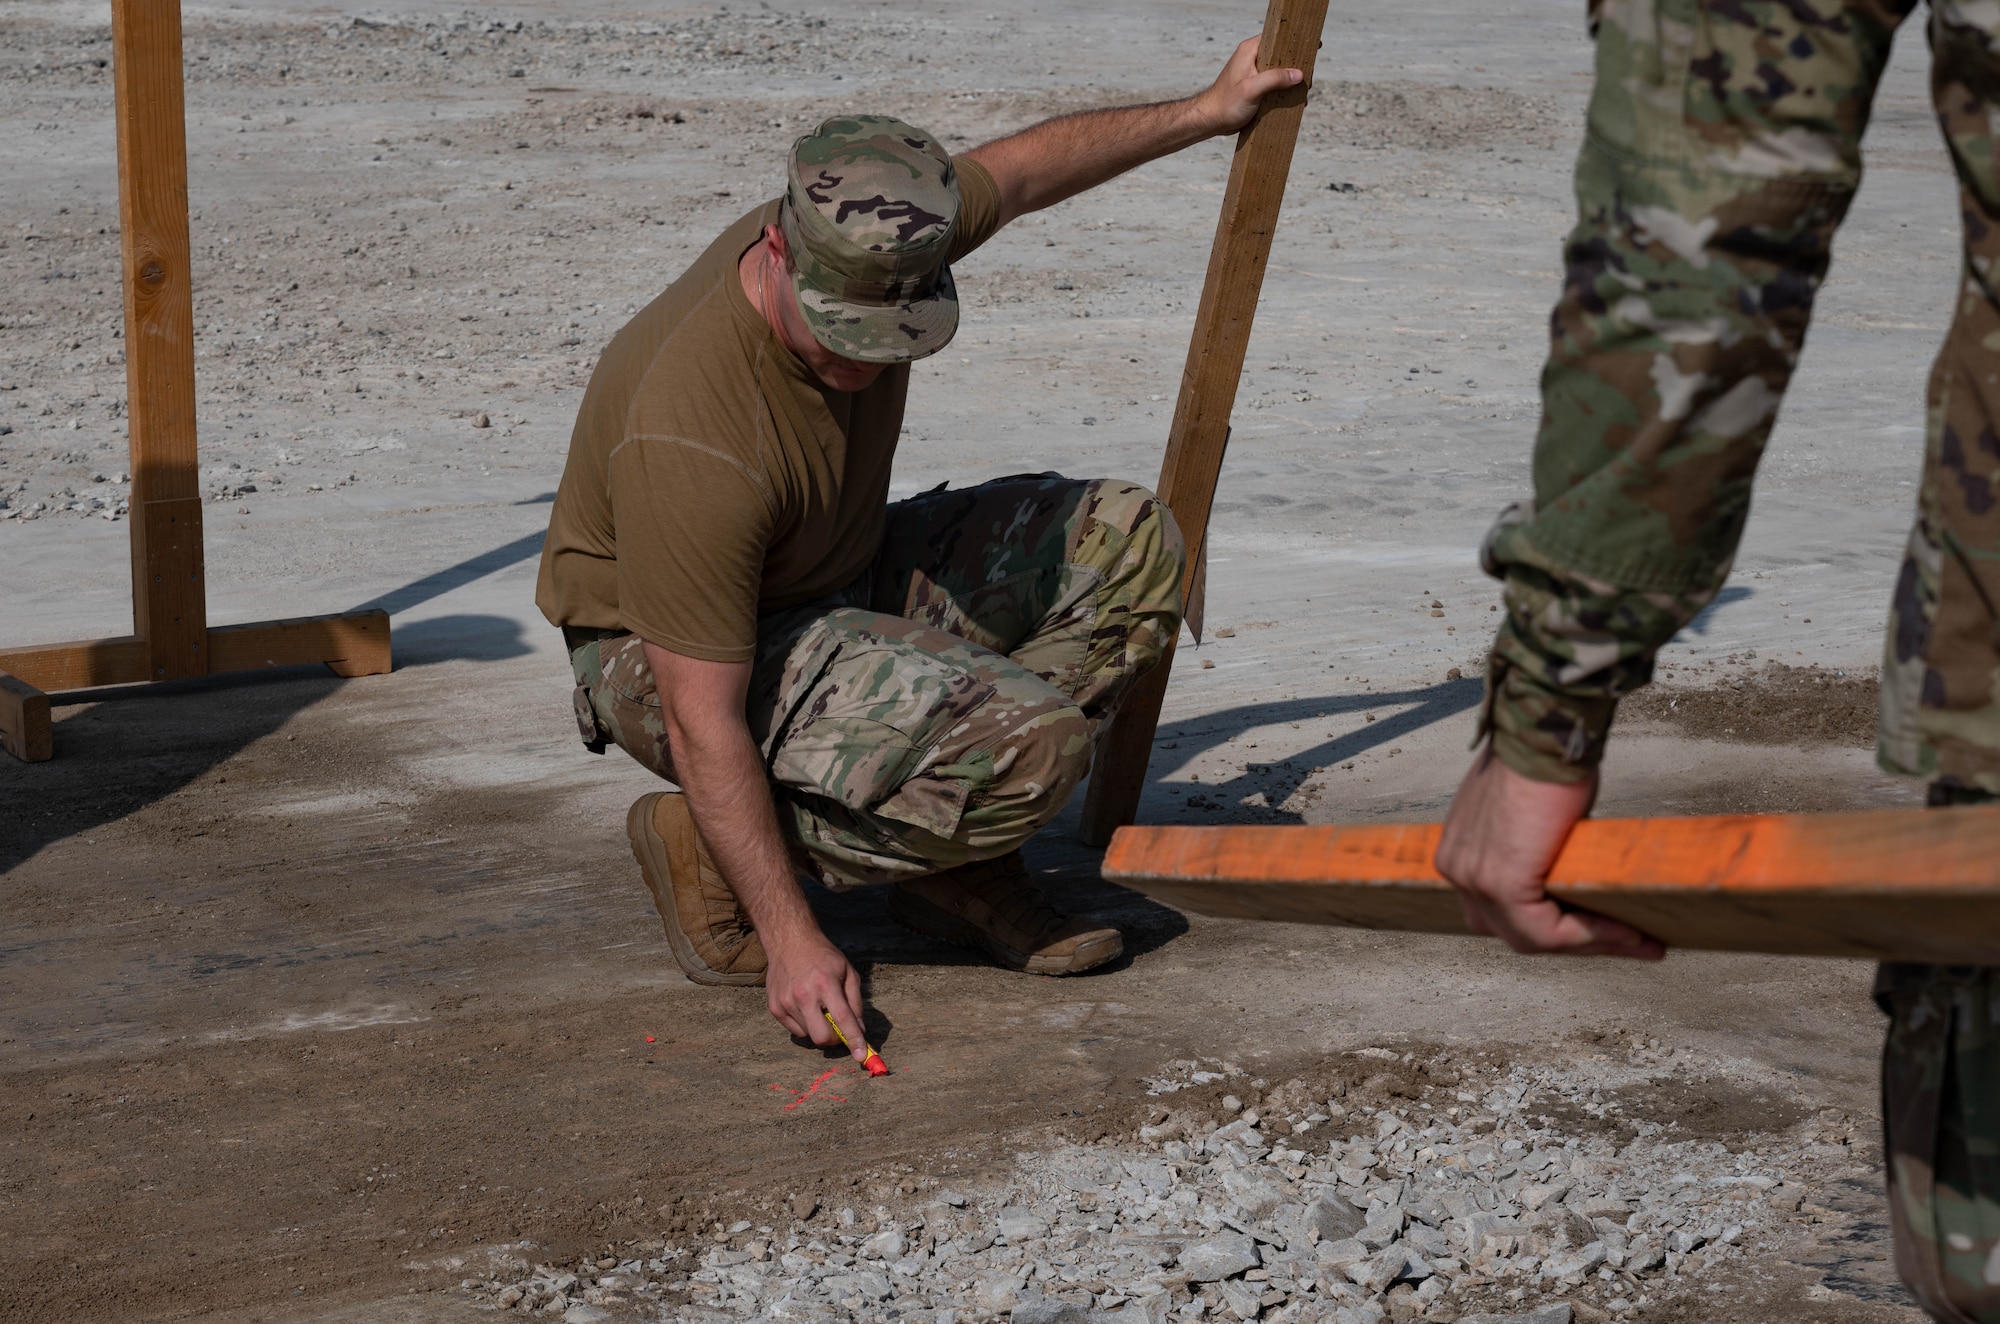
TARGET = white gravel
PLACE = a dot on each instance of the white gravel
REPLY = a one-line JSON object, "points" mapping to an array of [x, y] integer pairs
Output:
{"points": [[1466, 1202]]}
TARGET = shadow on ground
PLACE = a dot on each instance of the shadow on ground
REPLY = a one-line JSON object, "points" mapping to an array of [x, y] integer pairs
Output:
{"points": [[1179, 743], [122, 749]]}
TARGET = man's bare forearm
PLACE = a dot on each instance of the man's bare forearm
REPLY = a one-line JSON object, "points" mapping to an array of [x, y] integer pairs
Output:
{"points": [[724, 778], [723, 775], [1063, 157]]}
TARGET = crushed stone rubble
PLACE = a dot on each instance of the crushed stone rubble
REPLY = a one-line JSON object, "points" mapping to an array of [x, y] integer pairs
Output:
{"points": [[1448, 1194]]}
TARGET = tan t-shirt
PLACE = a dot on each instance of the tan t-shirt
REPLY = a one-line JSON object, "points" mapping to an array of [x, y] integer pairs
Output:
{"points": [[711, 477]]}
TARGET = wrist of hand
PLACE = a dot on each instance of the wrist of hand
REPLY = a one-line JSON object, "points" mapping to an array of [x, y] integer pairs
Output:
{"points": [[792, 936]]}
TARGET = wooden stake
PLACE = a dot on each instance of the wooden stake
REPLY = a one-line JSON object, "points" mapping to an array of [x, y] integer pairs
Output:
{"points": [[1892, 885], [1221, 338], [169, 607]]}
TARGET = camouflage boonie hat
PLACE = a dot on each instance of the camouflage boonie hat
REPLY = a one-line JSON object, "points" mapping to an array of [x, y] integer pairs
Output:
{"points": [[869, 213]]}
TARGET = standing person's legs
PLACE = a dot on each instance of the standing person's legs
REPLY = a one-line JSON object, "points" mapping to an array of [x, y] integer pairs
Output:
{"points": [[1941, 720], [1941, 1118], [1723, 152], [1941, 658]]}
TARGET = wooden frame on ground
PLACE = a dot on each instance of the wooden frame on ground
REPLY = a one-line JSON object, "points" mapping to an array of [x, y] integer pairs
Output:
{"points": [[171, 638]]}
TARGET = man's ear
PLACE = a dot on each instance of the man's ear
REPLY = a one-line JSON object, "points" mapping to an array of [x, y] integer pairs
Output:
{"points": [[774, 235]]}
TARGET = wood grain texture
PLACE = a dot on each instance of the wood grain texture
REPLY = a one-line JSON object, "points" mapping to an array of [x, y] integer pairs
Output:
{"points": [[168, 603], [1118, 766], [1897, 885], [170, 636], [25, 729], [82, 665], [1200, 432], [352, 644]]}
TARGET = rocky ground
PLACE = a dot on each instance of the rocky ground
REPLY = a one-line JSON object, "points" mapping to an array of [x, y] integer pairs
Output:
{"points": [[1392, 1184], [331, 1001]]}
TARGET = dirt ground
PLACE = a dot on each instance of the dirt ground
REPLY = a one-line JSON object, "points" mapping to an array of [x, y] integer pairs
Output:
{"points": [[310, 988]]}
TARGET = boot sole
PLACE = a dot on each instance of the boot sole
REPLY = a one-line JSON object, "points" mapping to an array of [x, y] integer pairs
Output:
{"points": [[920, 916], [651, 851]]}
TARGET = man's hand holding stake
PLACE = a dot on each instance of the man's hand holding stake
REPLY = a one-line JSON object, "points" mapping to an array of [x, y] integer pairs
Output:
{"points": [[1501, 838]]}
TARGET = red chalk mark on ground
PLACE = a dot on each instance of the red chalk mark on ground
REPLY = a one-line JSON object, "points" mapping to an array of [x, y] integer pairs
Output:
{"points": [[649, 1038], [812, 1090], [818, 1088]]}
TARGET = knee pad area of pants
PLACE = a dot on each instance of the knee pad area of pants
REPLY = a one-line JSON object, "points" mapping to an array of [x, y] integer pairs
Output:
{"points": [[1035, 769]]}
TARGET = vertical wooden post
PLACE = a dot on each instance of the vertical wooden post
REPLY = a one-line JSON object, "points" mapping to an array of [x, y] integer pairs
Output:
{"points": [[1208, 383], [169, 605], [170, 636]]}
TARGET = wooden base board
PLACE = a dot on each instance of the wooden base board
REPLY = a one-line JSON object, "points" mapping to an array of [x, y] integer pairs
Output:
{"points": [[1895, 885], [352, 643], [349, 643], [356, 644], [25, 729]]}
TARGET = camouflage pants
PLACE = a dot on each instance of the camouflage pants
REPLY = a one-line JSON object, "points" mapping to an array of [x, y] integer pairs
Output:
{"points": [[942, 709], [1941, 1124], [1723, 149], [1941, 1110]]}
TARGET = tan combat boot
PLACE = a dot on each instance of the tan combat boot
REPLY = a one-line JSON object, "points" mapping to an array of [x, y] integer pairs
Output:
{"points": [[708, 929], [992, 906]]}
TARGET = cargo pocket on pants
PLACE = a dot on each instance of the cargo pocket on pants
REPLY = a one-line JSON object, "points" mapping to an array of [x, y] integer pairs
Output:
{"points": [[587, 727], [866, 723]]}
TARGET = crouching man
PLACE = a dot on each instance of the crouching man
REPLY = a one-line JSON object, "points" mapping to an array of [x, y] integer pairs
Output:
{"points": [[866, 692]]}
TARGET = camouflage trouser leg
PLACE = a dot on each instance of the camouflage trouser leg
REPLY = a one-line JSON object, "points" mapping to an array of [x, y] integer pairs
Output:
{"points": [[942, 711], [1941, 659], [1723, 149], [1941, 1118], [1029, 605], [1078, 581]]}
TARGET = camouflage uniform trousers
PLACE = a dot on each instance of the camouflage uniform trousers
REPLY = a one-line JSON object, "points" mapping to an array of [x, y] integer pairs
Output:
{"points": [[940, 710], [1722, 152]]}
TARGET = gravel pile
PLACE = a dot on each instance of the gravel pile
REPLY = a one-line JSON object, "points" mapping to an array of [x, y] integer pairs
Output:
{"points": [[1387, 1188]]}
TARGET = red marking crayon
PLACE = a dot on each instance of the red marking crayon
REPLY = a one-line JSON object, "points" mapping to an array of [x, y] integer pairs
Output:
{"points": [[873, 1063]]}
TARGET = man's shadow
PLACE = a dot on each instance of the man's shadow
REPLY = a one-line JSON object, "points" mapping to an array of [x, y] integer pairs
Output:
{"points": [[1060, 864]]}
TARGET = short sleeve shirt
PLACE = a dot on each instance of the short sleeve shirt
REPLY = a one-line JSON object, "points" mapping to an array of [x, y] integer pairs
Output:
{"points": [[711, 477]]}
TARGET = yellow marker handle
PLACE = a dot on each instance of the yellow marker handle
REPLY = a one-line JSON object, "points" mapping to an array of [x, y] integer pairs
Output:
{"points": [[843, 1038]]}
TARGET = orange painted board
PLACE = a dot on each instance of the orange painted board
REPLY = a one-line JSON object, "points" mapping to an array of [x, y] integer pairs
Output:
{"points": [[1901, 885]]}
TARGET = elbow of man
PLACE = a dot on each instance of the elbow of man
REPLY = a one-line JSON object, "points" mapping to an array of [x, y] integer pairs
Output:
{"points": [[699, 727], [702, 736]]}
